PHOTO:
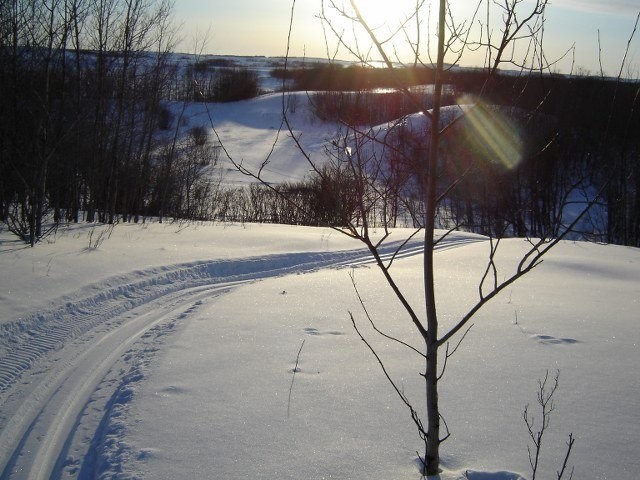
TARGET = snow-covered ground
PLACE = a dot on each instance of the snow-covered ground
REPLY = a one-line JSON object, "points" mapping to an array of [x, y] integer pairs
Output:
{"points": [[176, 350], [252, 131], [169, 351]]}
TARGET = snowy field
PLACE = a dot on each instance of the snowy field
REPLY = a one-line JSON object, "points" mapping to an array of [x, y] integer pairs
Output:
{"points": [[169, 351], [252, 131]]}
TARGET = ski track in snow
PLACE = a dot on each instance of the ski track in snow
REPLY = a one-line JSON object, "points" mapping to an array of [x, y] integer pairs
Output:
{"points": [[63, 371]]}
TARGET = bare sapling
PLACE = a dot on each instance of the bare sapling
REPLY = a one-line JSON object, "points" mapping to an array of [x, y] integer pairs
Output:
{"points": [[538, 426], [428, 174]]}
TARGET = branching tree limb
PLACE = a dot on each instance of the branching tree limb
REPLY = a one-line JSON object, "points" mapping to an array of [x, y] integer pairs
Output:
{"points": [[537, 427]]}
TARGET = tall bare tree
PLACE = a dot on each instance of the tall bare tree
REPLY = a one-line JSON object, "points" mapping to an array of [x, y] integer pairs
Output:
{"points": [[516, 43]]}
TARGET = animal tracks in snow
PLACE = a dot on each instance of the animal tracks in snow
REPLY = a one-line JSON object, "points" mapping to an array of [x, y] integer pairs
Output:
{"points": [[66, 371], [548, 339], [315, 332], [551, 340]]}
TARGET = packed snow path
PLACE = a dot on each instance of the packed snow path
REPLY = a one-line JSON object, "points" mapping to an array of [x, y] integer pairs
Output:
{"points": [[61, 370]]}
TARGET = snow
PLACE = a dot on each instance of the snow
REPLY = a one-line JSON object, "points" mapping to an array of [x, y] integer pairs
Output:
{"points": [[251, 129], [197, 350], [210, 386]]}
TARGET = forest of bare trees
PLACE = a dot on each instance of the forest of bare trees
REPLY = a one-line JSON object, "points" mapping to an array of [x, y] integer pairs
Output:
{"points": [[576, 133], [81, 104], [86, 134]]}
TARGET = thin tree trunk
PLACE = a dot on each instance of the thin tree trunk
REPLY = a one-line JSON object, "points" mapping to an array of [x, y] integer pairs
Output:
{"points": [[432, 454]]}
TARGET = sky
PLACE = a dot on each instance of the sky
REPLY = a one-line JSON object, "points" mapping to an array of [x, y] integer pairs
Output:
{"points": [[260, 27]]}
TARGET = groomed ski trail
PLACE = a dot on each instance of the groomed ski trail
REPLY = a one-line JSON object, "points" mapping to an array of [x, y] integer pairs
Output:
{"points": [[54, 364]]}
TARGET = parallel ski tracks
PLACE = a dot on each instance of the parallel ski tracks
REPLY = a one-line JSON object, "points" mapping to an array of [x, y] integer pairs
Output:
{"points": [[47, 409], [52, 362]]}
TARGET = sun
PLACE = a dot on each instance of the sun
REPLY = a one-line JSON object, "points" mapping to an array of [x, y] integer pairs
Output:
{"points": [[392, 22], [381, 14]]}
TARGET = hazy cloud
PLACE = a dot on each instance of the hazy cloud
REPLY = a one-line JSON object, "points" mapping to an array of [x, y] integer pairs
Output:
{"points": [[613, 7]]}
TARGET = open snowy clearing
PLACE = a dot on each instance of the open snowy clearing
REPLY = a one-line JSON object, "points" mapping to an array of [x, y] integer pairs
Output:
{"points": [[169, 352], [252, 131]]}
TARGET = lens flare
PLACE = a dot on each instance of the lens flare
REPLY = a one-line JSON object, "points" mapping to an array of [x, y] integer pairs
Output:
{"points": [[491, 133]]}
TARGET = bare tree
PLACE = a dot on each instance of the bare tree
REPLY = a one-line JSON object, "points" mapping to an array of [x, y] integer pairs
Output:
{"points": [[521, 23], [432, 167], [538, 426]]}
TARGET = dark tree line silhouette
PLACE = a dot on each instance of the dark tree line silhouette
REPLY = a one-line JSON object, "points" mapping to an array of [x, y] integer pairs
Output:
{"points": [[577, 134], [80, 109], [86, 133], [581, 136]]}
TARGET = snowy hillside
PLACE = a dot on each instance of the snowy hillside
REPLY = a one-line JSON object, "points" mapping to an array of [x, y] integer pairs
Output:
{"points": [[168, 351], [252, 131], [184, 350]]}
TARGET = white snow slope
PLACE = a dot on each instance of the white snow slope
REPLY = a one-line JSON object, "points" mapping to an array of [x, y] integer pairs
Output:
{"points": [[200, 351], [252, 131], [169, 352]]}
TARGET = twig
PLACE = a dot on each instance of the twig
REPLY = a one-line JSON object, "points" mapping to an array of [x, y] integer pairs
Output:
{"points": [[545, 402], [373, 325], [414, 414], [570, 443], [295, 369], [452, 352]]}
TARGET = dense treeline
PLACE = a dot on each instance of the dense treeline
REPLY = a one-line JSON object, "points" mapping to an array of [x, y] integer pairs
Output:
{"points": [[367, 108], [581, 137], [578, 137], [339, 77], [215, 81], [82, 117], [321, 200]]}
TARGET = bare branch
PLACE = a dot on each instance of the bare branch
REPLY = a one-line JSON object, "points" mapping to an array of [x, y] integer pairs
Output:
{"points": [[563, 469], [293, 377], [537, 427], [529, 261], [450, 354], [414, 414], [373, 325]]}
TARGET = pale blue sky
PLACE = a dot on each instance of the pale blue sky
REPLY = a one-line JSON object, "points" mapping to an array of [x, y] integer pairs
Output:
{"points": [[259, 27]]}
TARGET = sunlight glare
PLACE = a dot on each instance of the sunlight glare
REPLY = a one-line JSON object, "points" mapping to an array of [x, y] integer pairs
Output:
{"points": [[383, 13], [387, 20], [494, 136]]}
